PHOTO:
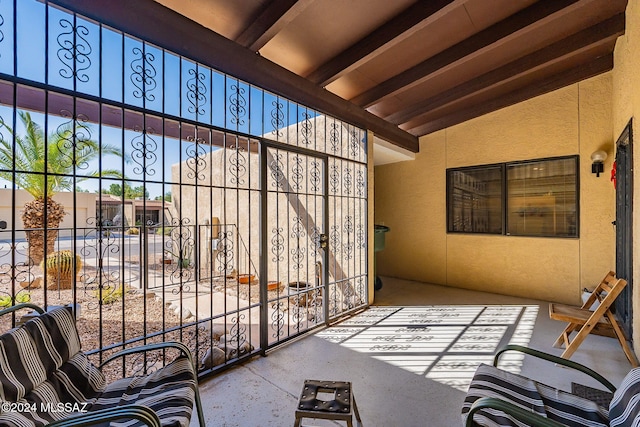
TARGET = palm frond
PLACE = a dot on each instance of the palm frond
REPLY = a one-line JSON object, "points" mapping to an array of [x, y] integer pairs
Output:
{"points": [[66, 149]]}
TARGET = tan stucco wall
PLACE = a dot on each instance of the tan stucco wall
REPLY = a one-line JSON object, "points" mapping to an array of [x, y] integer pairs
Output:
{"points": [[410, 198], [85, 208], [626, 105]]}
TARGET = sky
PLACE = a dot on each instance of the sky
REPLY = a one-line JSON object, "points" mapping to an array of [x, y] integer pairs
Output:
{"points": [[165, 90]]}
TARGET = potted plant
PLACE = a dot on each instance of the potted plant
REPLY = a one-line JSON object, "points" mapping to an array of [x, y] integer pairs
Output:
{"points": [[61, 268]]}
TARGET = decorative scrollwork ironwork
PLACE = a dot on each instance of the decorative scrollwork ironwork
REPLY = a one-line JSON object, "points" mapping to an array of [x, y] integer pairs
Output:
{"points": [[297, 173], [334, 309], [298, 316], [361, 184], [277, 175], [225, 252], [306, 128], [334, 237], [18, 272], [74, 51], [144, 151], [334, 179], [237, 104], [237, 337], [1, 32], [360, 291], [196, 92], [277, 242], [237, 164], [297, 256], [297, 230], [277, 319], [277, 118], [334, 137], [354, 144], [196, 158], [315, 240], [315, 176], [74, 140], [360, 239], [143, 74], [100, 243], [347, 180], [348, 245], [348, 224], [180, 245]]}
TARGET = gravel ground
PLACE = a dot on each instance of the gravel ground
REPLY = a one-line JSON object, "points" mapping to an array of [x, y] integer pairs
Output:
{"points": [[142, 314]]}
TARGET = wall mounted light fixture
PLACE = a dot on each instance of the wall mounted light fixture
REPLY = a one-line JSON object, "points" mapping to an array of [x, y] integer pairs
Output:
{"points": [[598, 158]]}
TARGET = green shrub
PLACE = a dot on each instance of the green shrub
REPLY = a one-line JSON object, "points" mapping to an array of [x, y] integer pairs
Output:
{"points": [[8, 300], [164, 230], [111, 293]]}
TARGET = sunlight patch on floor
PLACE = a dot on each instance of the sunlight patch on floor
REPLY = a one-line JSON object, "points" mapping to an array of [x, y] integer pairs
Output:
{"points": [[443, 343]]}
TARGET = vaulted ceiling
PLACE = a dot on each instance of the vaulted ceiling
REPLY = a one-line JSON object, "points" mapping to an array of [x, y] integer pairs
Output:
{"points": [[406, 68]]}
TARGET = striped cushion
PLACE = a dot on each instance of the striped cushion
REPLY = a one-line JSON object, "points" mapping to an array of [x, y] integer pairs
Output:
{"points": [[170, 392], [624, 409], [546, 401], [41, 362]]}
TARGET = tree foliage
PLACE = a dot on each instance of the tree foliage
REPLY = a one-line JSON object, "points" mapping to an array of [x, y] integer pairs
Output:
{"points": [[62, 154]]}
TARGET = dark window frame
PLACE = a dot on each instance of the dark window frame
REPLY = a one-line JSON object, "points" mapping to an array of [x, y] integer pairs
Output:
{"points": [[450, 195], [504, 167]]}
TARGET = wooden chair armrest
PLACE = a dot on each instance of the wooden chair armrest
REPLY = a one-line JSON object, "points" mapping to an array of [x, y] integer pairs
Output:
{"points": [[125, 412], [555, 359], [523, 415]]}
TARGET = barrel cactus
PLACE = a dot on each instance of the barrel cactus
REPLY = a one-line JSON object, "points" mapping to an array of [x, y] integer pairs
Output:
{"points": [[60, 269]]}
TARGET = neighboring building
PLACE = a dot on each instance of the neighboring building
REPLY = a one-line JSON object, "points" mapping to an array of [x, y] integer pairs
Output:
{"points": [[88, 208], [133, 211], [80, 216]]}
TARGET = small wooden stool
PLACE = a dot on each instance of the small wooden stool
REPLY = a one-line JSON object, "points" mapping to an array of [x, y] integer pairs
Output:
{"points": [[341, 407]]}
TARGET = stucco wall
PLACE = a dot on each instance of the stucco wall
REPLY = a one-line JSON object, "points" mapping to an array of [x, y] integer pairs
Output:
{"points": [[410, 198], [626, 104], [85, 207]]}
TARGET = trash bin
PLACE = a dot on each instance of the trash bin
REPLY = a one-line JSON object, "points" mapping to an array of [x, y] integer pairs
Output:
{"points": [[378, 245]]}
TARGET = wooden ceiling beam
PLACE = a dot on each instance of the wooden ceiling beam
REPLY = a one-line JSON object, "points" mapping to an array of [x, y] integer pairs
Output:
{"points": [[530, 17], [353, 56], [159, 25], [604, 32], [270, 20], [571, 76]]}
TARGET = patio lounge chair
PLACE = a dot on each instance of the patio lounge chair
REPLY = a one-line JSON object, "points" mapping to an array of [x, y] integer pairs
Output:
{"points": [[45, 380], [500, 398]]}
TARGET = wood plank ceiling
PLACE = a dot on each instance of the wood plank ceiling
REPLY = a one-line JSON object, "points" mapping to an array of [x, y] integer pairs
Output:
{"points": [[420, 66]]}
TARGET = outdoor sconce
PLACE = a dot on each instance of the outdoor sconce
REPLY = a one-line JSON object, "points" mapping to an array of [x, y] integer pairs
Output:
{"points": [[598, 158]]}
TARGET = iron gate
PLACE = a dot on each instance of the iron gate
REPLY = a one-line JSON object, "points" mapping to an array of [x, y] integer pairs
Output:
{"points": [[295, 223], [188, 205]]}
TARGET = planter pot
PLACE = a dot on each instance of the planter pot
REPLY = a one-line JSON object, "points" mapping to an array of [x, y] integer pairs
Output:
{"points": [[273, 285], [245, 279]]}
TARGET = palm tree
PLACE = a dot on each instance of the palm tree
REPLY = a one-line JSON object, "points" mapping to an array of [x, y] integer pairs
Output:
{"points": [[43, 167]]}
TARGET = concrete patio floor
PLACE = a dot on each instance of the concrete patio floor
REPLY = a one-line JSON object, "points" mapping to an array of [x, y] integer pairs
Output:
{"points": [[391, 388]]}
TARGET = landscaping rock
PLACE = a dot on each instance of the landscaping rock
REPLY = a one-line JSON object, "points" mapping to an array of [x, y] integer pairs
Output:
{"points": [[213, 357]]}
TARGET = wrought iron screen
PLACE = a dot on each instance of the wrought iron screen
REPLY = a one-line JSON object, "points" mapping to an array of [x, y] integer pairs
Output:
{"points": [[138, 185]]}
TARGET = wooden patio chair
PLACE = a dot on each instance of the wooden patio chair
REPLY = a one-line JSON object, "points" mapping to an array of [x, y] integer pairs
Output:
{"points": [[600, 321]]}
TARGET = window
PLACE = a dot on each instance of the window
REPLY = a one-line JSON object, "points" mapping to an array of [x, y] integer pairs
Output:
{"points": [[475, 200], [532, 198]]}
